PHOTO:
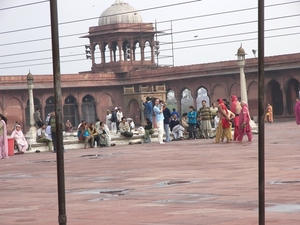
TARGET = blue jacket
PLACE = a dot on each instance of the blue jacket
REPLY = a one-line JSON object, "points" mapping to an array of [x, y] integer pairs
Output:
{"points": [[192, 116], [148, 107]]}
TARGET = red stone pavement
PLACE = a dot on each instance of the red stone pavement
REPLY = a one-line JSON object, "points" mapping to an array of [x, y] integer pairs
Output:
{"points": [[182, 182]]}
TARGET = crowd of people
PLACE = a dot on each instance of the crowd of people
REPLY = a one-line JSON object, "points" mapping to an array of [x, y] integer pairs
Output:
{"points": [[190, 125]]}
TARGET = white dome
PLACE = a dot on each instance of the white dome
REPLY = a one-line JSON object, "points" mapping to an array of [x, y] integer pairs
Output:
{"points": [[120, 12]]}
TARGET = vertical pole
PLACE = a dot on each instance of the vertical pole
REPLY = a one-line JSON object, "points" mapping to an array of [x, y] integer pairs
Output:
{"points": [[243, 83], [156, 42], [62, 218], [172, 42], [261, 131]]}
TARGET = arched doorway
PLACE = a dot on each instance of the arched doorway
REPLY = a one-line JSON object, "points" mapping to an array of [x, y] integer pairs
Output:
{"points": [[291, 94], [88, 108], [218, 92], [137, 51], [252, 99], [13, 113], [37, 104], [186, 100], [134, 112], [171, 100], [71, 110], [115, 52], [50, 107], [274, 97], [202, 95]]}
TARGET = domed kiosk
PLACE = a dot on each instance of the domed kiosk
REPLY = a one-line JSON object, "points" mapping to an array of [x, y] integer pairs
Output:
{"points": [[121, 42]]}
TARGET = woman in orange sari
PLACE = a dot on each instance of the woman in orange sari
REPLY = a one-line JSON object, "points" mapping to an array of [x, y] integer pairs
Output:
{"points": [[269, 114]]}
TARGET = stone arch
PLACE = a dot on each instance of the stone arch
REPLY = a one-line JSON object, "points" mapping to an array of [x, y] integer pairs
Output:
{"points": [[126, 51], [186, 100], [275, 97], [137, 51], [134, 111], [147, 51], [13, 113], [97, 54], [202, 94], [252, 98], [70, 110], [171, 100], [106, 53], [115, 52], [50, 105], [37, 104], [105, 103], [218, 92], [88, 109], [235, 89], [292, 91]]}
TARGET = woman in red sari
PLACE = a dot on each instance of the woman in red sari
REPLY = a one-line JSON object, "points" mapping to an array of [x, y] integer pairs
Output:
{"points": [[244, 123], [235, 107]]}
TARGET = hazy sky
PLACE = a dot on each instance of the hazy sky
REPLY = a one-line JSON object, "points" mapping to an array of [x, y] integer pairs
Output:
{"points": [[215, 36]]}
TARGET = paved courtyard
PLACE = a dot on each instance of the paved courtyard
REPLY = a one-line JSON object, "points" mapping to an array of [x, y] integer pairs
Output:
{"points": [[182, 182]]}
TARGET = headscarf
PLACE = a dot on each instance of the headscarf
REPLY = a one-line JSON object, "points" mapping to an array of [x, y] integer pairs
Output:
{"points": [[224, 108], [245, 109]]}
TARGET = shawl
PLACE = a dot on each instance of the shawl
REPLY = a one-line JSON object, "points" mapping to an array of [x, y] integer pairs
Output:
{"points": [[19, 137]]}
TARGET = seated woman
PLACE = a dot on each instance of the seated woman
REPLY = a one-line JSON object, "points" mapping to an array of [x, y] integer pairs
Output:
{"points": [[93, 132], [19, 137], [87, 136], [69, 126], [104, 135], [80, 132], [148, 131]]}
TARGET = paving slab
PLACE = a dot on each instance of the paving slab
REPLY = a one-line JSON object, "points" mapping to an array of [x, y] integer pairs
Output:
{"points": [[181, 182]]}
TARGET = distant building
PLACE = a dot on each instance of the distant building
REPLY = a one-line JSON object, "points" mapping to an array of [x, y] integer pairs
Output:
{"points": [[124, 72]]}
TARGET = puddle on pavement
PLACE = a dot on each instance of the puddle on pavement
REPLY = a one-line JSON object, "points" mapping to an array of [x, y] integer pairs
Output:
{"points": [[189, 199], [173, 183], [288, 208], [94, 156], [44, 161], [110, 192], [286, 182], [16, 175]]}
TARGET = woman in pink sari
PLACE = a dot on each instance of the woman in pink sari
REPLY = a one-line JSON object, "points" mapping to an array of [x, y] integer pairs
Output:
{"points": [[235, 107], [19, 137], [3, 138], [297, 111], [244, 123]]}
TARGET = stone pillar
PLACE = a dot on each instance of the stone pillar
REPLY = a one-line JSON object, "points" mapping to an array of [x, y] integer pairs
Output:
{"points": [[244, 96], [179, 106], [79, 111], [31, 134], [284, 90], [120, 51]]}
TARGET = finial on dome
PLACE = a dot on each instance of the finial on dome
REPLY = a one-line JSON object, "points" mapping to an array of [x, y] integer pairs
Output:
{"points": [[118, 2]]}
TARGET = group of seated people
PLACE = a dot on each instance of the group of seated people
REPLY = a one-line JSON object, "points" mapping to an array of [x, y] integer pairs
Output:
{"points": [[97, 134]]}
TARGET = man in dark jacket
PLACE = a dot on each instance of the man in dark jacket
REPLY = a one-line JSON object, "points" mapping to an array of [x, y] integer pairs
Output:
{"points": [[167, 116]]}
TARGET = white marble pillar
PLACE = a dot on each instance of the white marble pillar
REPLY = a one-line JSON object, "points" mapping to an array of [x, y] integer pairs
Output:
{"points": [[31, 134]]}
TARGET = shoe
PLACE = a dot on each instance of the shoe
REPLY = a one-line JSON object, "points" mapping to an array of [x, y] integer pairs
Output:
{"points": [[113, 145], [162, 143]]}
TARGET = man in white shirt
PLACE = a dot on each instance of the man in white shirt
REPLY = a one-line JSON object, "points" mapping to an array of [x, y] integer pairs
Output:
{"points": [[42, 136], [119, 117]]}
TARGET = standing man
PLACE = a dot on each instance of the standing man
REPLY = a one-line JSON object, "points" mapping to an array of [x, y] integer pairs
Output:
{"points": [[108, 117], [119, 117], [113, 120], [148, 108], [206, 119], [53, 131], [159, 118], [167, 117], [37, 117], [213, 110]]}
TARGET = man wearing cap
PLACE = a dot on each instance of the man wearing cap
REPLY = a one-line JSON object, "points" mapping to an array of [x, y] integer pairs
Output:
{"points": [[42, 136]]}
